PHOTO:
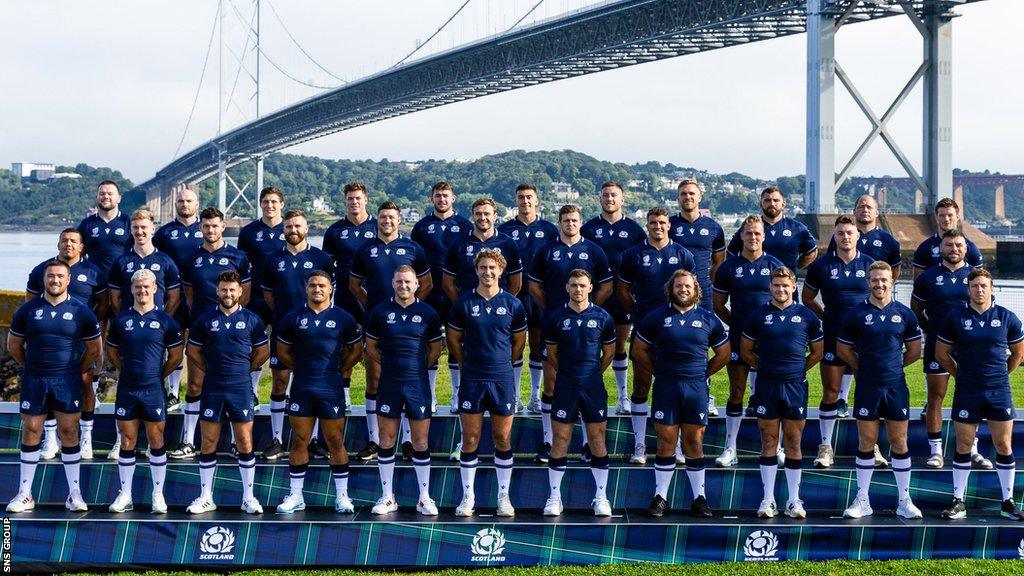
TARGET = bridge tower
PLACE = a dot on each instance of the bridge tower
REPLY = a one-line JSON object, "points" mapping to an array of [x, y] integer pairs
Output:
{"points": [[239, 197], [934, 23]]}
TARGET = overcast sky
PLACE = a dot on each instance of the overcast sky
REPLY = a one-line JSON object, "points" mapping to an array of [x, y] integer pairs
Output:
{"points": [[111, 83]]}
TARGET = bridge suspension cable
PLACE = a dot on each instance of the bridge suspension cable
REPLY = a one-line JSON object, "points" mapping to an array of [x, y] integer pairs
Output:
{"points": [[432, 36], [299, 46], [199, 87], [527, 15]]}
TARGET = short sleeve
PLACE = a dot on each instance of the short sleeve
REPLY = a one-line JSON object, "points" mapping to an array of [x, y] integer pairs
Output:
{"points": [[645, 331], [353, 333], [608, 330], [457, 316], [19, 325], [371, 326], [358, 268], [808, 243], [1014, 333], [894, 256], [34, 285], [115, 279], [172, 278], [197, 334], [921, 256], [244, 269], [268, 278], [848, 328], [627, 271], [813, 278], [719, 335], [689, 262], [451, 259], [434, 332], [284, 331], [330, 245], [420, 263], [911, 328], [257, 332], [172, 334], [920, 291], [88, 325], [114, 334], [511, 252], [718, 242], [752, 326], [974, 257], [947, 332], [720, 283], [539, 266], [602, 270], [327, 265], [814, 331], [519, 320]]}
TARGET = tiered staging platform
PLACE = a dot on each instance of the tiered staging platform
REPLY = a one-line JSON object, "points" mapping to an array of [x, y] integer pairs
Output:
{"points": [[50, 537]]}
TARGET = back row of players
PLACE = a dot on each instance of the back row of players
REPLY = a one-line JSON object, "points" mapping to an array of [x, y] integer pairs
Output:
{"points": [[609, 260]]}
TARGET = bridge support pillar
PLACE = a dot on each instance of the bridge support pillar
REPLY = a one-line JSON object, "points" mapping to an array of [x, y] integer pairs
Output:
{"points": [[935, 180], [958, 197], [248, 179], [1000, 204]]}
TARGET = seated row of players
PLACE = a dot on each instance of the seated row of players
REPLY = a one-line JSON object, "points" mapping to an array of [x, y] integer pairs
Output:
{"points": [[570, 238]]}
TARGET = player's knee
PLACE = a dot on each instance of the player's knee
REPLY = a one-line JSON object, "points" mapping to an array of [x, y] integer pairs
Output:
{"points": [[335, 444]]}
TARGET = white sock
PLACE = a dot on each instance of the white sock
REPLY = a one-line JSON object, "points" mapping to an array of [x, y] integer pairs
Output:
{"points": [[545, 420], [191, 421], [453, 370], [254, 379], [277, 418], [638, 419], [371, 419], [406, 431], [126, 472], [50, 429], [974, 447], [72, 461], [536, 377], [663, 477], [85, 426], [844, 387], [29, 460], [432, 378], [421, 462], [621, 370], [793, 483], [961, 473], [340, 480], [901, 470], [732, 427], [1006, 472], [247, 470], [865, 469], [206, 473], [935, 446], [600, 482], [503, 470], [386, 469], [768, 472], [517, 378], [231, 429], [174, 382], [752, 381], [296, 479], [555, 481], [158, 472], [827, 424], [696, 477], [467, 470], [316, 430], [348, 397]]}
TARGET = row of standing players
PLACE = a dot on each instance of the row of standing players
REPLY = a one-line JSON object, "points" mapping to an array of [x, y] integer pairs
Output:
{"points": [[616, 248]]}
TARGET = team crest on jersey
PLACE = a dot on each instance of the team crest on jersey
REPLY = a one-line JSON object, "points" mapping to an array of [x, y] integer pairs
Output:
{"points": [[659, 415], [129, 325], [797, 319], [417, 319], [456, 228], [673, 260], [939, 280], [623, 234], [95, 232], [155, 267], [119, 232], [208, 413], [475, 311], [877, 243], [400, 252], [996, 323], [307, 265], [591, 323], [344, 234], [869, 319], [787, 232], [834, 273], [599, 233], [83, 278], [68, 316], [561, 414], [391, 318], [174, 234], [223, 262], [704, 232], [333, 324], [896, 319], [501, 311], [584, 256], [154, 325], [935, 251], [647, 259], [697, 324], [280, 265], [765, 271], [566, 325], [469, 249], [537, 234], [859, 274], [515, 234]]}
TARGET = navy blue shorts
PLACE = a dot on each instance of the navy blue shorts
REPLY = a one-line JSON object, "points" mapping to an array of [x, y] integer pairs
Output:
{"points": [[774, 400], [219, 406], [971, 406], [890, 402], [931, 365], [675, 401], [570, 401], [411, 399], [831, 357], [734, 348], [534, 316], [140, 404], [324, 406], [495, 396], [40, 394]]}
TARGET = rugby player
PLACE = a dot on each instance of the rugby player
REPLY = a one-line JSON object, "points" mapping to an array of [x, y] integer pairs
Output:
{"points": [[56, 340], [530, 233], [705, 239], [580, 345], [548, 277], [643, 272], [788, 336], [319, 341], [786, 239], [494, 322], [929, 252], [342, 240], [980, 346], [284, 290], [89, 285], [403, 338], [672, 342], [107, 233], [883, 336], [144, 343], [743, 282], [370, 281], [201, 278], [179, 239], [615, 233], [227, 344], [841, 277], [435, 232], [938, 291], [879, 245]]}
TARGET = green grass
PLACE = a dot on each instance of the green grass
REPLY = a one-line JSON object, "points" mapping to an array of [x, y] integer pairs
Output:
{"points": [[831, 568], [719, 385]]}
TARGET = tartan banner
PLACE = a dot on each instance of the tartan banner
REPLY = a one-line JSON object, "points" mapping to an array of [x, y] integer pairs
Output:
{"points": [[61, 544]]}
